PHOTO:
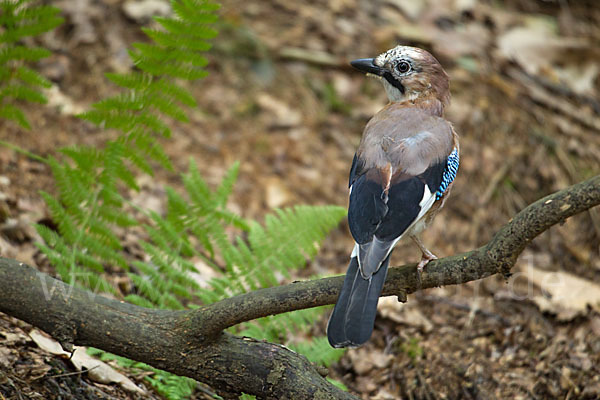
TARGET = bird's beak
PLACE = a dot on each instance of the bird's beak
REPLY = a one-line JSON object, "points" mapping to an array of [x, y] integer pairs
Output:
{"points": [[367, 65]]}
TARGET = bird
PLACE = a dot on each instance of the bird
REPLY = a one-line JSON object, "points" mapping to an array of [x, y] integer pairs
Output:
{"points": [[400, 177]]}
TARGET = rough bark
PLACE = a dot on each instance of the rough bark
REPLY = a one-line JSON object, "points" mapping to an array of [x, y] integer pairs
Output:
{"points": [[192, 343], [164, 339]]}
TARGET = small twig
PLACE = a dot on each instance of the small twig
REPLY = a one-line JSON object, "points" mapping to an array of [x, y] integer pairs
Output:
{"points": [[494, 182], [573, 175], [205, 390], [541, 95], [20, 150], [563, 90], [485, 198], [11, 383], [212, 261], [311, 56], [69, 373], [595, 217], [429, 392], [465, 307], [95, 389]]}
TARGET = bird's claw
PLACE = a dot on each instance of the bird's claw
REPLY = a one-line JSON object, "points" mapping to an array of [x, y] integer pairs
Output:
{"points": [[425, 259]]}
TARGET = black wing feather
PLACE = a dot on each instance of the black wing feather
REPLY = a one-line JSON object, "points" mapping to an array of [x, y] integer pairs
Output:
{"points": [[366, 210], [434, 175], [403, 208], [356, 169], [370, 215]]}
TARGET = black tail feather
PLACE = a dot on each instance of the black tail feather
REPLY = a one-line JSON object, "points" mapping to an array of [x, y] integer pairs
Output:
{"points": [[353, 317]]}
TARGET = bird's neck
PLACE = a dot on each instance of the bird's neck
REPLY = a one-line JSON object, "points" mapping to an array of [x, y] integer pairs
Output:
{"points": [[430, 104], [430, 98]]}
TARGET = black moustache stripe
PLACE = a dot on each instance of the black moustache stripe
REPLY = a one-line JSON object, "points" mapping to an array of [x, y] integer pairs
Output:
{"points": [[395, 83]]}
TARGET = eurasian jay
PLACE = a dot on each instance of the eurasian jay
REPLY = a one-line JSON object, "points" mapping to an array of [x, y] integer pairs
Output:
{"points": [[400, 177]]}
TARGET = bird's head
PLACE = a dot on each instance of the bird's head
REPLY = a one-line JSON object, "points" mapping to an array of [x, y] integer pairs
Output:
{"points": [[408, 73]]}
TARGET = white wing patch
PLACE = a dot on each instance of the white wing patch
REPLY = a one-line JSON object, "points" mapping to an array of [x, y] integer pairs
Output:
{"points": [[355, 250], [416, 226], [425, 204]]}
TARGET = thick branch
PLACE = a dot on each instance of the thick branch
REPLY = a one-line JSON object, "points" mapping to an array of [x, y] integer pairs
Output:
{"points": [[497, 256], [164, 339], [191, 343]]}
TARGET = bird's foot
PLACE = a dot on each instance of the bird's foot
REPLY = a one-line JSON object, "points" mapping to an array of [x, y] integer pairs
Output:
{"points": [[425, 259]]}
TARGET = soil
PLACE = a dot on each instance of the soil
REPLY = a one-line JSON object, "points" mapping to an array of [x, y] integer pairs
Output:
{"points": [[281, 99]]}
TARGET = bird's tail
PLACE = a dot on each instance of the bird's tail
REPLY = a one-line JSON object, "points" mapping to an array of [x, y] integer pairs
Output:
{"points": [[353, 317]]}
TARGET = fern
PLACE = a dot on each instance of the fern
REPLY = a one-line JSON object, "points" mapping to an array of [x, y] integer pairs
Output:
{"points": [[18, 82], [90, 207], [91, 210], [318, 351], [172, 387], [175, 53], [288, 238]]}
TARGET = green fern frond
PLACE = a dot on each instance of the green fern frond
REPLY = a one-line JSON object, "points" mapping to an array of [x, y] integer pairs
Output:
{"points": [[129, 114], [85, 158], [9, 111], [90, 182], [19, 92], [137, 81], [201, 15], [289, 238], [318, 350], [171, 386], [167, 55], [276, 328], [19, 20], [154, 89], [226, 187], [169, 39], [23, 53], [139, 301], [197, 228], [168, 88]]}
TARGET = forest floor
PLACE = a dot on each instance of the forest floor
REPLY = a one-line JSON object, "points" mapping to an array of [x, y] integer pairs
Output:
{"points": [[282, 100]]}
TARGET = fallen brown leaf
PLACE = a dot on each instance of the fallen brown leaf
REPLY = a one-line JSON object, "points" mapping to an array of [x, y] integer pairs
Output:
{"points": [[97, 370], [567, 295]]}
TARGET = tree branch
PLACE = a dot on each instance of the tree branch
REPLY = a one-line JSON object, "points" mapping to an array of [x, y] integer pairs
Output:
{"points": [[192, 343], [162, 338], [497, 256]]}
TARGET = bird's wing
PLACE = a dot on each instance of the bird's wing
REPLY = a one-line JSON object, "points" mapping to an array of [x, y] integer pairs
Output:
{"points": [[400, 167], [395, 176]]}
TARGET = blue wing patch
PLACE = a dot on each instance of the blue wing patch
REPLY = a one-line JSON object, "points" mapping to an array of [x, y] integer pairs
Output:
{"points": [[449, 173]]}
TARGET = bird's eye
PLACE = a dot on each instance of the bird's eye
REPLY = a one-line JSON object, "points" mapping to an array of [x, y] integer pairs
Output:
{"points": [[403, 67]]}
